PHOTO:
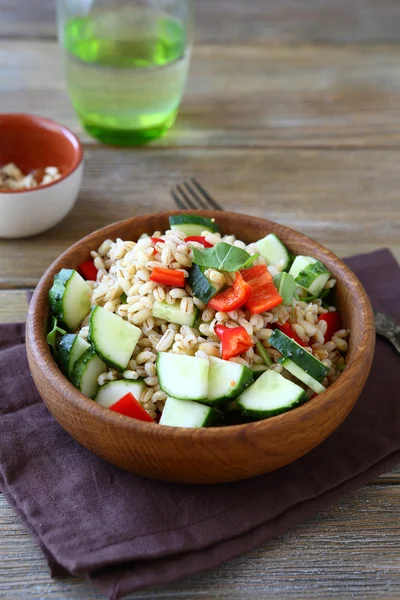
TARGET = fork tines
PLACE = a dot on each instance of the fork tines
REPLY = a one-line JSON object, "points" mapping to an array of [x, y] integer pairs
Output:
{"points": [[191, 194]]}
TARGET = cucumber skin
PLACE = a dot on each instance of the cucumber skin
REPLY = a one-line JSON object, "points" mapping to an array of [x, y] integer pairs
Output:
{"points": [[202, 288], [318, 268], [79, 368], [105, 359], [64, 349], [56, 294], [256, 415], [297, 354], [245, 381], [194, 220]]}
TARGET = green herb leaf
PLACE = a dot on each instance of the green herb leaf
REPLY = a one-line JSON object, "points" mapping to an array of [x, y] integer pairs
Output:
{"points": [[249, 262], [286, 286], [52, 335], [123, 297], [263, 353], [223, 256]]}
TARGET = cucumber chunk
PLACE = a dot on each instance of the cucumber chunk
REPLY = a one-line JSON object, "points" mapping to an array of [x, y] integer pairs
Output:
{"points": [[258, 370], [112, 391], [202, 287], [306, 378], [273, 250], [310, 274], [69, 298], [173, 313], [186, 413], [226, 380], [71, 348], [192, 224], [86, 371], [183, 377], [303, 359], [270, 395], [113, 339]]}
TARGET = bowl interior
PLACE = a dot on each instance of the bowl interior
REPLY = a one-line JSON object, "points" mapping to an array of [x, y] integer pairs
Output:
{"points": [[33, 143]]}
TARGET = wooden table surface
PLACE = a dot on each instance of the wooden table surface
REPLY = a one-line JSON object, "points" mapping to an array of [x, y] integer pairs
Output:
{"points": [[292, 111]]}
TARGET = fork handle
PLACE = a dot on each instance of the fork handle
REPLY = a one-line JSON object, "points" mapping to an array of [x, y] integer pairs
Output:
{"points": [[395, 341]]}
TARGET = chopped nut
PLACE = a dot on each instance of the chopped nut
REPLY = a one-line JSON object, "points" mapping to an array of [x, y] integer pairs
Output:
{"points": [[12, 178]]}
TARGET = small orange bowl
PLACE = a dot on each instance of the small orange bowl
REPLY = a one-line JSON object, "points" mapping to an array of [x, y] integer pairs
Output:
{"points": [[33, 143]]}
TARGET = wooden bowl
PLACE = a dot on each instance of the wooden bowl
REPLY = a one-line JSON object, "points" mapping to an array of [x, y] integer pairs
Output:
{"points": [[203, 455]]}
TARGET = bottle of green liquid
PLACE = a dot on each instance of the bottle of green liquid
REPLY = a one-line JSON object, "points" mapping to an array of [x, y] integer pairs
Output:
{"points": [[126, 68]]}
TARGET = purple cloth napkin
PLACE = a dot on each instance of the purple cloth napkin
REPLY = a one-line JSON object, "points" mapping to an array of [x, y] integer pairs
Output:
{"points": [[125, 532]]}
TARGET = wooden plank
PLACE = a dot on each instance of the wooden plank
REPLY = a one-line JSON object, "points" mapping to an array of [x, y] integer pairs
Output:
{"points": [[243, 96], [348, 200], [349, 551], [235, 21]]}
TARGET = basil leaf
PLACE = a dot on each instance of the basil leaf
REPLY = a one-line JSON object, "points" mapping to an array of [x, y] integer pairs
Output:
{"points": [[222, 256], [52, 335], [249, 262]]}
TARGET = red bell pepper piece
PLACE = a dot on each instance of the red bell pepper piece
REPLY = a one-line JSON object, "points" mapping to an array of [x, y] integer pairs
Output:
{"points": [[155, 240], [200, 239], [168, 277], [234, 340], [334, 323], [287, 330], [233, 298], [130, 407], [88, 270], [264, 293]]}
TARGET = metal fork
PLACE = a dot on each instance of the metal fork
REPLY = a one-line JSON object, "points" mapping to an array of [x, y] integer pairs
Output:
{"points": [[388, 328], [191, 194]]}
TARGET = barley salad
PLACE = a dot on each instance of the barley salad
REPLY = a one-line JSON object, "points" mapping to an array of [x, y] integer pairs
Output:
{"points": [[193, 328]]}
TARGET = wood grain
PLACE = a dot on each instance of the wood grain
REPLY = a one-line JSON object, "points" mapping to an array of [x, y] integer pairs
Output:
{"points": [[347, 200], [255, 21], [221, 454], [14, 307], [243, 96], [348, 551]]}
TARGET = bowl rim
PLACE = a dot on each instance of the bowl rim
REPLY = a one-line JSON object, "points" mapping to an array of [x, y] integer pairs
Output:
{"points": [[38, 120], [41, 353]]}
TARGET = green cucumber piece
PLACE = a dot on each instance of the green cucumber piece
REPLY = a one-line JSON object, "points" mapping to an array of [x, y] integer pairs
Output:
{"points": [[112, 391], [226, 380], [69, 298], [273, 250], [186, 413], [192, 224], [113, 339], [310, 274], [286, 287], [303, 359], [173, 313], [202, 287], [258, 370], [71, 348], [263, 353], [270, 395], [183, 377], [306, 378], [86, 371]]}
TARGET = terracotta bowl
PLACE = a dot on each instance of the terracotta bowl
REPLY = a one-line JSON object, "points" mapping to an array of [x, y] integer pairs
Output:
{"points": [[33, 143], [203, 455]]}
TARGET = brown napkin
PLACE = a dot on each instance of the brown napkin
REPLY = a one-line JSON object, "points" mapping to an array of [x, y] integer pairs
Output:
{"points": [[125, 532]]}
